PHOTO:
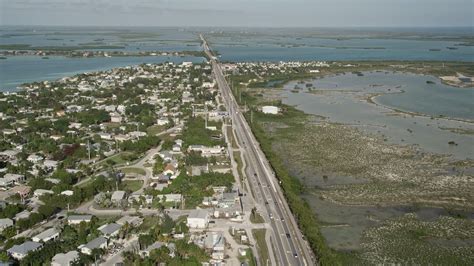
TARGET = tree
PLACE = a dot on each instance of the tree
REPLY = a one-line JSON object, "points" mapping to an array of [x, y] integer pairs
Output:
{"points": [[145, 240], [47, 210], [160, 255], [4, 256]]}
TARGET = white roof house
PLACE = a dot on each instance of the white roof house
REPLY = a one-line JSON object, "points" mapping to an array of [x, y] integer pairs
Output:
{"points": [[198, 219], [215, 241], [117, 196], [5, 223], [47, 235], [20, 251], [110, 230], [50, 164], [33, 158], [65, 259], [77, 219], [99, 243], [132, 220], [41, 192], [170, 197], [22, 215], [270, 109]]}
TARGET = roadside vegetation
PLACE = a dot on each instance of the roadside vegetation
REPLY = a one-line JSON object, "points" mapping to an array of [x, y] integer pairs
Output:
{"points": [[259, 235]]}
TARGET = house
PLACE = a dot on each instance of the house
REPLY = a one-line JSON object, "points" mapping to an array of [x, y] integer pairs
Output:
{"points": [[9, 155], [33, 158], [50, 165], [97, 243], [166, 156], [77, 219], [20, 251], [67, 193], [228, 200], [118, 196], [156, 245], [169, 170], [176, 148], [105, 136], [137, 134], [53, 180], [22, 215], [209, 201], [110, 230], [41, 192], [121, 137], [162, 121], [65, 259], [170, 197], [23, 191], [115, 118], [131, 220], [47, 235], [198, 219], [215, 241], [11, 179], [270, 110], [5, 223], [206, 151]]}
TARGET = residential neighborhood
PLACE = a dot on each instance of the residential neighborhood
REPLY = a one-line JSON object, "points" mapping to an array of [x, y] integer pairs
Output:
{"points": [[134, 165]]}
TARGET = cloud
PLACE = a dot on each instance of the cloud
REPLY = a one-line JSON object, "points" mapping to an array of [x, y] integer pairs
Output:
{"points": [[238, 12]]}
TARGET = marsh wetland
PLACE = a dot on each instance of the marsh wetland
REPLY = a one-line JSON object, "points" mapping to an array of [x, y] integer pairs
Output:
{"points": [[385, 159]]}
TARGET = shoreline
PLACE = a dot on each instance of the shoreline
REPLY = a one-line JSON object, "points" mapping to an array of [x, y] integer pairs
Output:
{"points": [[371, 99]]}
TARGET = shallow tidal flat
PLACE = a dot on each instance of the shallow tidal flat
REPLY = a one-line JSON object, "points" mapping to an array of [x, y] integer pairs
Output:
{"points": [[381, 179]]}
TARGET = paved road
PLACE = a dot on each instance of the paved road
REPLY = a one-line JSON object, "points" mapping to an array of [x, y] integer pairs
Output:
{"points": [[290, 246]]}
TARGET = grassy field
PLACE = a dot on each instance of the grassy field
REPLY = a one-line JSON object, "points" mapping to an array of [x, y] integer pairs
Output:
{"points": [[230, 134], [117, 159], [259, 235], [256, 218], [131, 185], [153, 130], [133, 170]]}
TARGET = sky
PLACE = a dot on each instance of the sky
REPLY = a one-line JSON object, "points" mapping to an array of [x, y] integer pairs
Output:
{"points": [[240, 13]]}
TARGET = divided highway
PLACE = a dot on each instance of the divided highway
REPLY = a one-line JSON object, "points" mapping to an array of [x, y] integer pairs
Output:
{"points": [[286, 238]]}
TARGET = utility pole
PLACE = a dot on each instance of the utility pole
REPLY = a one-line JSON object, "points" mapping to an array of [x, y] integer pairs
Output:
{"points": [[89, 149], [205, 114]]}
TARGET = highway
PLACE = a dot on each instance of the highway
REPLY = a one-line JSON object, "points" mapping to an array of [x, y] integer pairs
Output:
{"points": [[286, 238]]}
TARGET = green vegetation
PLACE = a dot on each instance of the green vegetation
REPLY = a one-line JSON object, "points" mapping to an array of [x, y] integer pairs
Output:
{"points": [[195, 189], [141, 145], [249, 258], [231, 136], [118, 159], [291, 185], [408, 240], [255, 217], [196, 134], [131, 185], [133, 170], [259, 235], [239, 162], [154, 130], [195, 158]]}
